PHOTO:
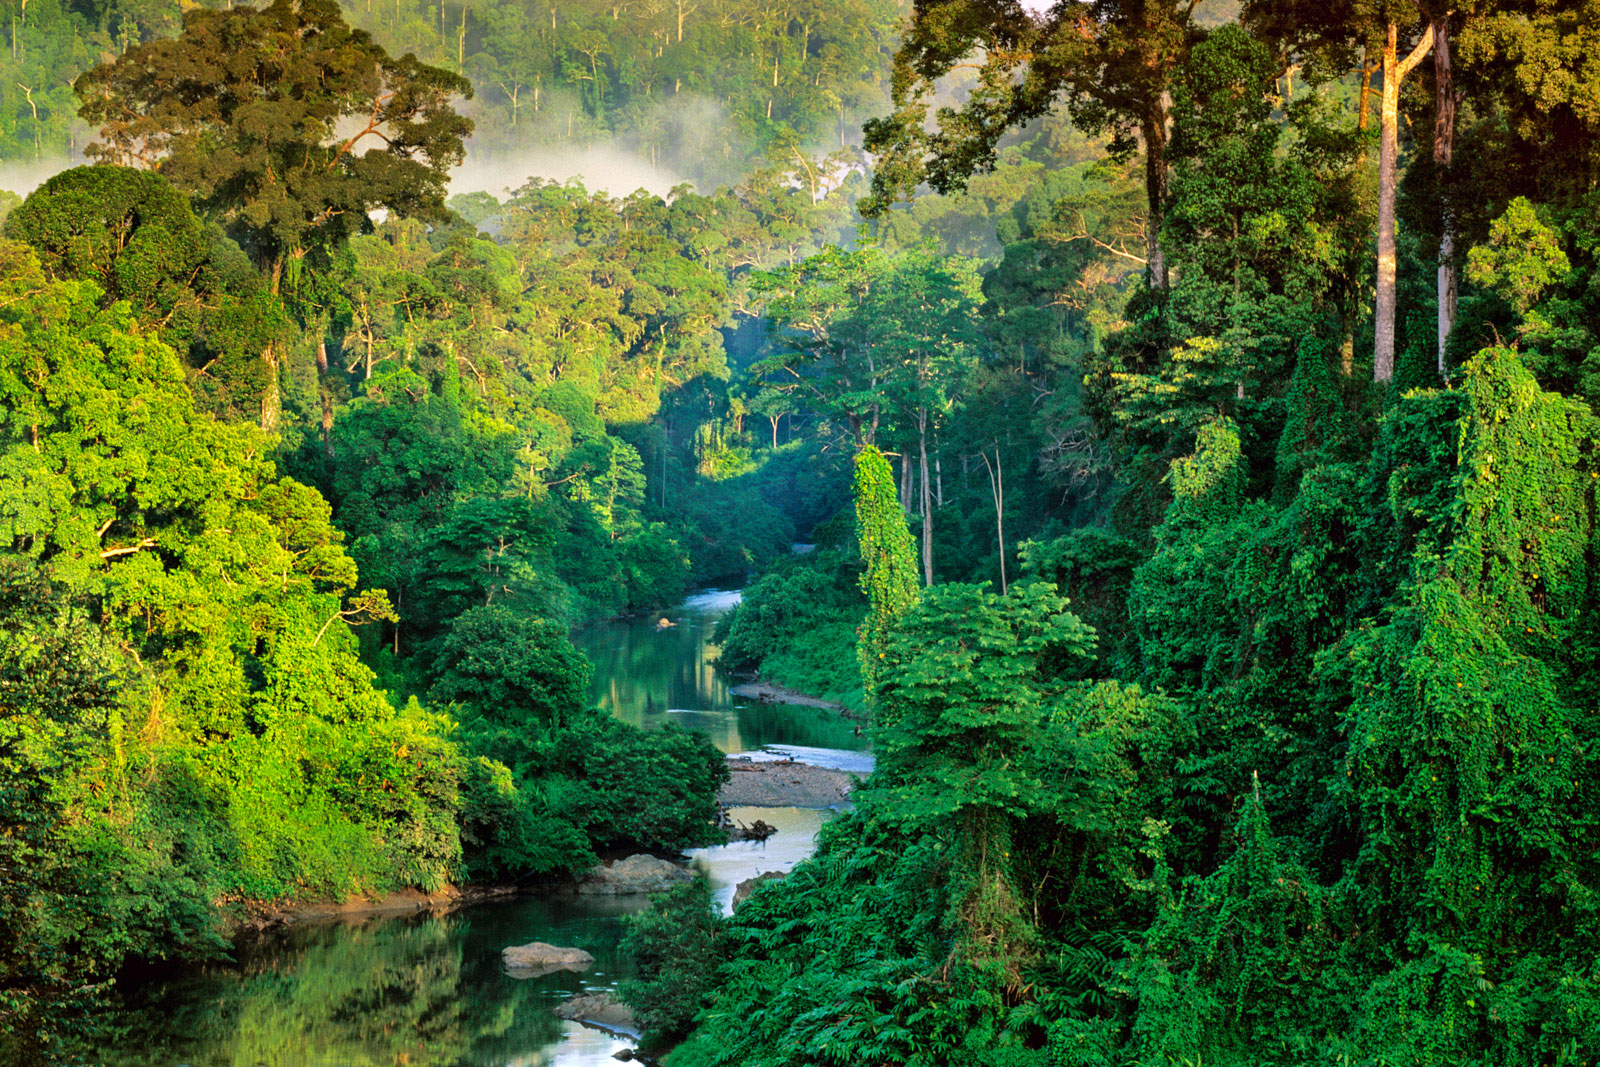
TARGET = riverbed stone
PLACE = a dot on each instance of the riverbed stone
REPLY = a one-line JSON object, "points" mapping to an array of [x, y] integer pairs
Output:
{"points": [[539, 958], [742, 891], [641, 873], [598, 1009]]}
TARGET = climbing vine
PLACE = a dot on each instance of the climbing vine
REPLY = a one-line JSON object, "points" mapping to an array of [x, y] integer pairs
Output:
{"points": [[890, 581]]}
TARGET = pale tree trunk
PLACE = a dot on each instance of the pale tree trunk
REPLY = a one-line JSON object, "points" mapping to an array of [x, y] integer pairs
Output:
{"points": [[271, 401], [1347, 347], [327, 399], [1394, 71], [327, 424], [997, 489], [1444, 138], [926, 498]]}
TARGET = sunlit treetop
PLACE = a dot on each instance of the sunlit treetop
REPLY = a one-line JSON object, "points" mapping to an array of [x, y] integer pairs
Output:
{"points": [[284, 121]]}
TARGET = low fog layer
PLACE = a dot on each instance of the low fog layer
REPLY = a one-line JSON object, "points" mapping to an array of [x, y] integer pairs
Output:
{"points": [[601, 168], [24, 178]]}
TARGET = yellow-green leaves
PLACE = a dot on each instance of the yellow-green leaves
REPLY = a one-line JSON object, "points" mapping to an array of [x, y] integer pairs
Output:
{"points": [[1522, 259], [890, 581]]}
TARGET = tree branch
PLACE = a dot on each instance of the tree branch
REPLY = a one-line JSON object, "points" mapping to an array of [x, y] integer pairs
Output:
{"points": [[1417, 53], [128, 550]]}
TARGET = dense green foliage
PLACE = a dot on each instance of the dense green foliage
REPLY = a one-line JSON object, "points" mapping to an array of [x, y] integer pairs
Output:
{"points": [[797, 626], [1303, 773], [1224, 596], [675, 947]]}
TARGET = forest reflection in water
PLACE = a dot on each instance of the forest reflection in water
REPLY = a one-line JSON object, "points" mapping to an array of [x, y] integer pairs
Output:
{"points": [[650, 676], [426, 992], [429, 991]]}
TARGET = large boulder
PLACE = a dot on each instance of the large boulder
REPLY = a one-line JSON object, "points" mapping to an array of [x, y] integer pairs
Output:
{"points": [[598, 1009], [742, 891], [538, 958], [636, 874]]}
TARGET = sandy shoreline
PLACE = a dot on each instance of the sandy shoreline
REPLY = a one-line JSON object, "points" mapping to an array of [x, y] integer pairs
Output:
{"points": [[776, 784]]}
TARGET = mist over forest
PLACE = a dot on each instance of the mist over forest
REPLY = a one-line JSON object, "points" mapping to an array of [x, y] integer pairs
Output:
{"points": [[467, 459]]}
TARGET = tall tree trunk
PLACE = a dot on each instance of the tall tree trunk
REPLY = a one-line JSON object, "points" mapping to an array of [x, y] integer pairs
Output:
{"points": [[1154, 129], [997, 491], [1394, 71], [1444, 143], [1368, 68], [271, 401], [327, 399], [1347, 346], [327, 423], [926, 498]]}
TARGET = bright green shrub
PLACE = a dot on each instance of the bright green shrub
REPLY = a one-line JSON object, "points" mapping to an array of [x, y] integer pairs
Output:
{"points": [[676, 947]]}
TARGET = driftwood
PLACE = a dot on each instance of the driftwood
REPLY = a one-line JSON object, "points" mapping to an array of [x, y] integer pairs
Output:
{"points": [[759, 830]]}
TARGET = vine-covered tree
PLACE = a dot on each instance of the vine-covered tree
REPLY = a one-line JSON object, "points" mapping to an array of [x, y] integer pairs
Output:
{"points": [[890, 581]]}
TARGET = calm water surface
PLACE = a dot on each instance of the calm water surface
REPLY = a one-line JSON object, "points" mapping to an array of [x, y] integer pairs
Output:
{"points": [[429, 991], [653, 676]]}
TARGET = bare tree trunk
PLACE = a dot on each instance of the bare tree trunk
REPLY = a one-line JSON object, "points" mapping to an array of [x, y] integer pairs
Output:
{"points": [[327, 423], [1394, 71], [997, 490], [271, 401], [1444, 137], [927, 501]]}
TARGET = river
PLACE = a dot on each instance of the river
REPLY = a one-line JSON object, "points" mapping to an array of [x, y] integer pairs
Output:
{"points": [[429, 991]]}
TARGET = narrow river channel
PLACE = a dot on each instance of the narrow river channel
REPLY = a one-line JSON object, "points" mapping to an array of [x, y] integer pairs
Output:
{"points": [[429, 991]]}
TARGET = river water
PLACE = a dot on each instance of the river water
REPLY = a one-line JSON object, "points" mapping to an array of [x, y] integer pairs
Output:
{"points": [[429, 991]]}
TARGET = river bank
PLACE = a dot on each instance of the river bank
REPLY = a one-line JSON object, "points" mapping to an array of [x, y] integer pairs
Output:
{"points": [[257, 917], [784, 784], [773, 693], [348, 982]]}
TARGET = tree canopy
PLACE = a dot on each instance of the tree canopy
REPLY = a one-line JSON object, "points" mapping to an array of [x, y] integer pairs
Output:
{"points": [[252, 110]]}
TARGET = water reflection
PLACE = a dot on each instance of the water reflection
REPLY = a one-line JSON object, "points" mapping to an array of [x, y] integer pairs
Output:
{"points": [[429, 991], [418, 991], [424, 991], [650, 675], [728, 865]]}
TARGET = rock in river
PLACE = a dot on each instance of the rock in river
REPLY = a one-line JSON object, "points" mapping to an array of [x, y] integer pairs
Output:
{"points": [[636, 874], [742, 891], [598, 1009], [537, 958]]}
